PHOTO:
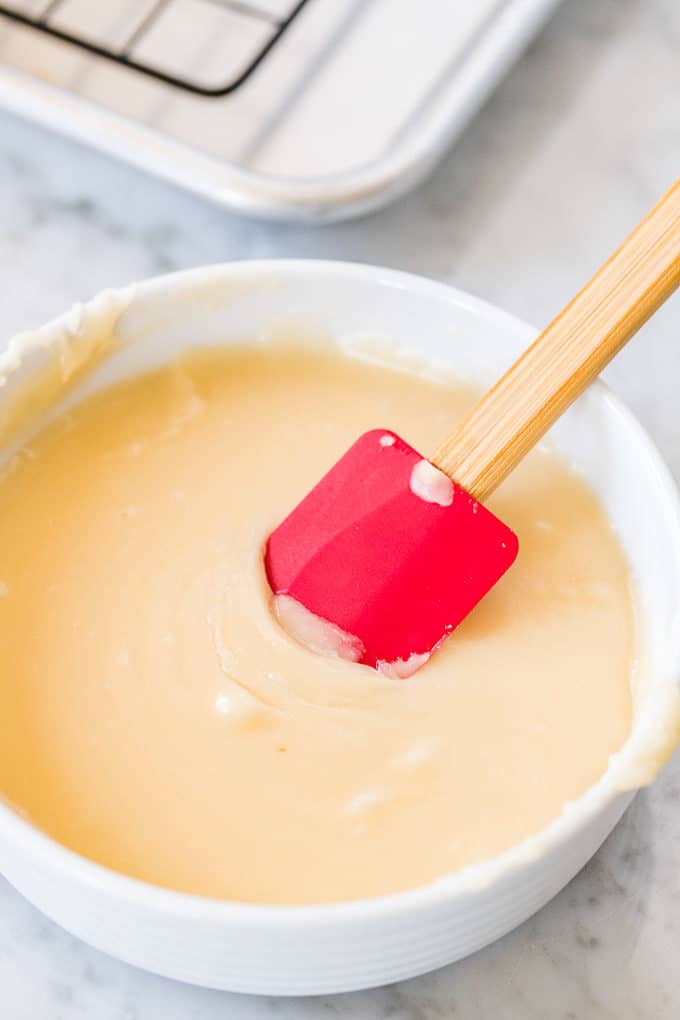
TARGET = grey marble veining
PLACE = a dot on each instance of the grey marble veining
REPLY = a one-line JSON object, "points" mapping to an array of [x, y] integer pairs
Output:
{"points": [[581, 138]]}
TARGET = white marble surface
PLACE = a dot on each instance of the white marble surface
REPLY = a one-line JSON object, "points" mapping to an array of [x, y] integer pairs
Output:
{"points": [[583, 136]]}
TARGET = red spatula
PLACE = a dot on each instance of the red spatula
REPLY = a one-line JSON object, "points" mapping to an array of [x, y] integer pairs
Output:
{"points": [[389, 552]]}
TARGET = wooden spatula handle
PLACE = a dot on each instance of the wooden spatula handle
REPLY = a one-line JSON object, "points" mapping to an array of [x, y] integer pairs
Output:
{"points": [[568, 355]]}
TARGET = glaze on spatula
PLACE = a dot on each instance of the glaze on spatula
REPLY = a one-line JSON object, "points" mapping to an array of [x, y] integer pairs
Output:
{"points": [[389, 552]]}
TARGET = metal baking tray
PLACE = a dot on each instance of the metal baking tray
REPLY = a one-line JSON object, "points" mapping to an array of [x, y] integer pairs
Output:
{"points": [[292, 109]]}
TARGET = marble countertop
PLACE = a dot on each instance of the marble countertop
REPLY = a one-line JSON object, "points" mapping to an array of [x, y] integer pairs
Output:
{"points": [[579, 140]]}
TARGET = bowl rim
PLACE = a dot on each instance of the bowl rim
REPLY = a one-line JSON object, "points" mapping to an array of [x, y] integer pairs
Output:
{"points": [[451, 886]]}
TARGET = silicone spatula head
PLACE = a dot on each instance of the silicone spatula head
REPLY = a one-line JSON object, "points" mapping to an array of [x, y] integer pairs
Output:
{"points": [[388, 551]]}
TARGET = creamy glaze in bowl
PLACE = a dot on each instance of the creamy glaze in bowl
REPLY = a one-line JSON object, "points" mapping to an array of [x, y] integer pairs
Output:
{"points": [[310, 949]]}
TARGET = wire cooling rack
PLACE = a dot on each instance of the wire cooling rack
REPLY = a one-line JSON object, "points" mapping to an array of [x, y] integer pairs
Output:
{"points": [[256, 28]]}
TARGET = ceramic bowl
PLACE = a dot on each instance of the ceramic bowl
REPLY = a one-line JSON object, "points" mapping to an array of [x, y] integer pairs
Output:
{"points": [[340, 947]]}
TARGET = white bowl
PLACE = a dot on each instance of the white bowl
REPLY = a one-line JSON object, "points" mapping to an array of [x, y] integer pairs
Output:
{"points": [[314, 949]]}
